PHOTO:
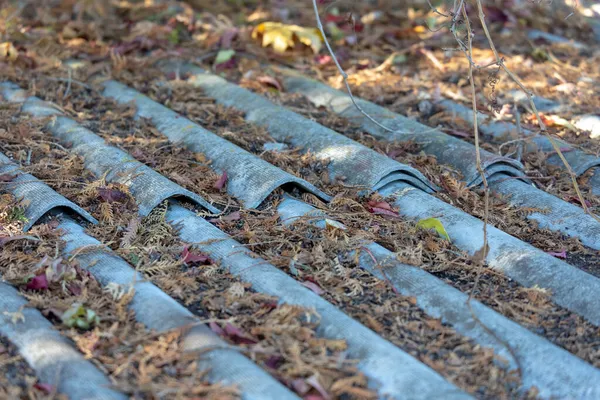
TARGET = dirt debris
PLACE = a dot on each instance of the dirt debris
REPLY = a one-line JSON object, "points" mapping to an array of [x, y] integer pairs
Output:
{"points": [[123, 40]]}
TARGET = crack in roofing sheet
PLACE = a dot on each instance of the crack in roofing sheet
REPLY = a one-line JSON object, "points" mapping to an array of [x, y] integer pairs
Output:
{"points": [[447, 149], [250, 178], [569, 286], [43, 198], [148, 187], [357, 164], [553, 371]]}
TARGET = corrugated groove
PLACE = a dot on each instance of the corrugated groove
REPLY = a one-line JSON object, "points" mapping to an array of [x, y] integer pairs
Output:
{"points": [[43, 199], [391, 370], [250, 179], [159, 312], [148, 187], [579, 161], [570, 287], [554, 371], [52, 356], [357, 164], [557, 214], [447, 149]]}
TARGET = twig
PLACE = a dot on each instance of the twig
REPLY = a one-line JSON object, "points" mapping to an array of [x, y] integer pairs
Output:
{"points": [[484, 248], [543, 129], [344, 74]]}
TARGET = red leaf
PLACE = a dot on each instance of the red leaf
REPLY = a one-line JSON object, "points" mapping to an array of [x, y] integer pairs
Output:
{"points": [[274, 361], [323, 59], [313, 286], [234, 216], [573, 199], [216, 328], [300, 386], [38, 282], [270, 81], [227, 37], [382, 208], [6, 177], [314, 382], [220, 183], [562, 254], [44, 387], [454, 132], [380, 204], [191, 257], [237, 335], [74, 288], [112, 195]]}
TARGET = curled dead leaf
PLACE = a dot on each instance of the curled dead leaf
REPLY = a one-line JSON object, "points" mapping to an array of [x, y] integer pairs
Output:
{"points": [[283, 37], [8, 52]]}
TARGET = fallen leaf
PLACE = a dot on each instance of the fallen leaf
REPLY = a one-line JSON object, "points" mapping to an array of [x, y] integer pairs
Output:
{"points": [[575, 200], [78, 316], [224, 59], [6, 177], [380, 204], [270, 81], [331, 224], [434, 223], [282, 36], [44, 387], [561, 254], [314, 382], [38, 282], [480, 255], [300, 386], [382, 208], [8, 51], [274, 361], [220, 183], [112, 195], [216, 328], [188, 256], [234, 216], [237, 335], [313, 286], [228, 36]]}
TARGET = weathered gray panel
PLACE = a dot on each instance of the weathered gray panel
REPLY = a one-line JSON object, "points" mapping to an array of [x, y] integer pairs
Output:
{"points": [[250, 179], [447, 149], [393, 372], [359, 165], [570, 287], [148, 187], [157, 311], [554, 371], [53, 357], [43, 198]]}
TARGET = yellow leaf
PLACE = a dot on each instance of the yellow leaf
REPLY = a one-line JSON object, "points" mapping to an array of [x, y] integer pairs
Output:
{"points": [[434, 223], [283, 37], [8, 51]]}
